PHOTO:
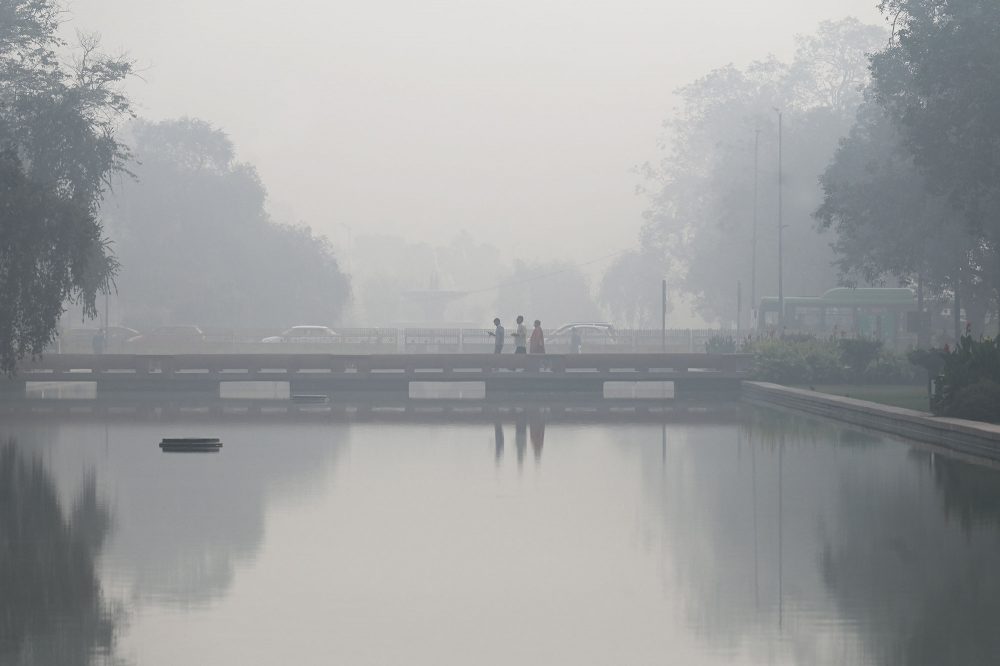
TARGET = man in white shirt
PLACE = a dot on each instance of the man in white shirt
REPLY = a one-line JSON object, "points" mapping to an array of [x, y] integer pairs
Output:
{"points": [[497, 333], [521, 337]]}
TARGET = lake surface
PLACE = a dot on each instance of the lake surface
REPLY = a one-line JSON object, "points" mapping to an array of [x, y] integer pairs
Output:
{"points": [[722, 536]]}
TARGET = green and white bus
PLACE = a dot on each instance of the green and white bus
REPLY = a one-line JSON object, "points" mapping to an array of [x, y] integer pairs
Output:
{"points": [[879, 313]]}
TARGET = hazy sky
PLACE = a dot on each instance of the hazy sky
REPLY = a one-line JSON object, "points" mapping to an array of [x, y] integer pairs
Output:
{"points": [[518, 120]]}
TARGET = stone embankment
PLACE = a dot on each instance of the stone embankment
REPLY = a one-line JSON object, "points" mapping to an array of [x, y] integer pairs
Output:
{"points": [[972, 438]]}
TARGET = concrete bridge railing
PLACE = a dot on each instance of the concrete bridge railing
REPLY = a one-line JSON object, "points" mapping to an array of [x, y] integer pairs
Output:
{"points": [[383, 371]]}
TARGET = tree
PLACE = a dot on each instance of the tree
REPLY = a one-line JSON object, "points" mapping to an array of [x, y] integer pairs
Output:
{"points": [[197, 245], [938, 80], [57, 152], [555, 292], [704, 189], [631, 288], [891, 224]]}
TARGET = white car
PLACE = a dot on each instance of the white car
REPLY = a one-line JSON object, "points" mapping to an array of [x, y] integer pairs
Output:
{"points": [[305, 334], [595, 336]]}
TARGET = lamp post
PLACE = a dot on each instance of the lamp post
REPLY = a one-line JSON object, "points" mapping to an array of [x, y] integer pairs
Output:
{"points": [[781, 282], [753, 250]]}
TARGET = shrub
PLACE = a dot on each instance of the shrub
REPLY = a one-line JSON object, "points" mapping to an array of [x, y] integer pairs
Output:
{"points": [[967, 378], [807, 360], [802, 361], [859, 353], [720, 344], [890, 368], [979, 401]]}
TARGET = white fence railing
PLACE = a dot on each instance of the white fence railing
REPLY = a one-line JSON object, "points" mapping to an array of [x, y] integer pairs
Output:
{"points": [[387, 341]]}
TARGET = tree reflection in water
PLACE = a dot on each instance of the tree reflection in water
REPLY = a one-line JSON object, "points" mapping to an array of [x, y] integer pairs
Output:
{"points": [[806, 541], [924, 586], [51, 607]]}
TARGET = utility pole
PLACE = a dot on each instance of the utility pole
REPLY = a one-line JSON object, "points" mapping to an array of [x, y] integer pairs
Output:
{"points": [[739, 308], [781, 227], [663, 322], [753, 272]]}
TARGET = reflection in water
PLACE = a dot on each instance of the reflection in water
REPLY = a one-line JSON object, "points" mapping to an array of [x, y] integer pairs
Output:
{"points": [[537, 435], [51, 606], [521, 438], [192, 520], [922, 587], [527, 424], [498, 441], [833, 546], [780, 540]]}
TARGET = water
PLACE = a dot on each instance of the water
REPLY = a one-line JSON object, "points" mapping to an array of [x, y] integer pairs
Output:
{"points": [[723, 536]]}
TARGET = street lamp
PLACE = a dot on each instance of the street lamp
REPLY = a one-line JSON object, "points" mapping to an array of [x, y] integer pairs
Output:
{"points": [[781, 282], [753, 260]]}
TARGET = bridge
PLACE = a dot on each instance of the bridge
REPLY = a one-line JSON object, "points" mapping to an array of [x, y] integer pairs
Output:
{"points": [[386, 373]]}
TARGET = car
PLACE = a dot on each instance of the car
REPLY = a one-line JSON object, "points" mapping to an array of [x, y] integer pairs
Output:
{"points": [[168, 339], [594, 335], [85, 340], [170, 332], [304, 335]]}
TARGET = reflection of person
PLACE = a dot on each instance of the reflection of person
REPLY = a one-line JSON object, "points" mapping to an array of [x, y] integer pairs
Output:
{"points": [[575, 341], [537, 436], [537, 343], [521, 438], [498, 440], [497, 333], [520, 336]]}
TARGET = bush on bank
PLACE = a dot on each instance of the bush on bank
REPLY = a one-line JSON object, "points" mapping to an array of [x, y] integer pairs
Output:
{"points": [[809, 360], [966, 379]]}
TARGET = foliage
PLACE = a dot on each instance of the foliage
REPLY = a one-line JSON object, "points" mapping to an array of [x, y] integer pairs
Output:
{"points": [[936, 83], [703, 191], [891, 368], [631, 289], [858, 353], [808, 360], [198, 247], [979, 401], [720, 344], [887, 219], [553, 292], [57, 152], [937, 80], [968, 379]]}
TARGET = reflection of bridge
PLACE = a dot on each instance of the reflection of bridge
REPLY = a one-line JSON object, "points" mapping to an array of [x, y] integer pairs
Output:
{"points": [[573, 409], [392, 373]]}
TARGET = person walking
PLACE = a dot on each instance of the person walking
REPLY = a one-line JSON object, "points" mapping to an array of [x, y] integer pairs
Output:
{"points": [[497, 334], [537, 342], [521, 336]]}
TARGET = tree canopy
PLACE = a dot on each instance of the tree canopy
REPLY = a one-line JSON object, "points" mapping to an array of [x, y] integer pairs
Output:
{"points": [[57, 151], [914, 189], [198, 247], [703, 191]]}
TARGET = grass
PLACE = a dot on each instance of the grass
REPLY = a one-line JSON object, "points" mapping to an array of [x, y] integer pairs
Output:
{"points": [[907, 396]]}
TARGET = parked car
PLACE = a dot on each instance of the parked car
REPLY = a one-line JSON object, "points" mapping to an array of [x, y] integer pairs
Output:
{"points": [[577, 335], [83, 340], [304, 335], [167, 339]]}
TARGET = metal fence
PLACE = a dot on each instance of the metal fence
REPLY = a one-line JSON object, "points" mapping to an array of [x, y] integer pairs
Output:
{"points": [[385, 341]]}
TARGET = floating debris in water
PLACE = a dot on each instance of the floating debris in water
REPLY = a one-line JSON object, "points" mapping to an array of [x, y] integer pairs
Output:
{"points": [[190, 444]]}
